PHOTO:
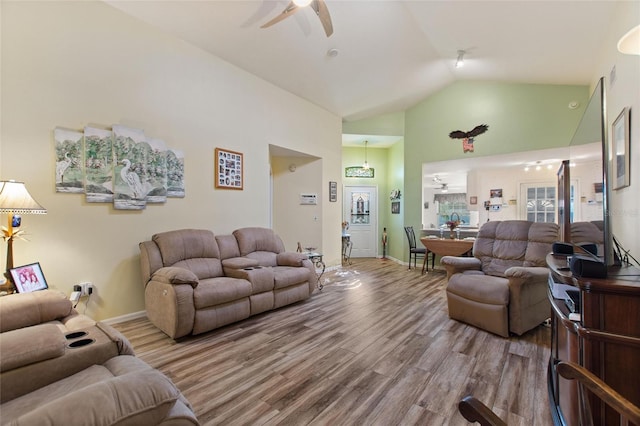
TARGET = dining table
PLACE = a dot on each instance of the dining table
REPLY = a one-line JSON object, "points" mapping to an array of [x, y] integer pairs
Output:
{"points": [[446, 247]]}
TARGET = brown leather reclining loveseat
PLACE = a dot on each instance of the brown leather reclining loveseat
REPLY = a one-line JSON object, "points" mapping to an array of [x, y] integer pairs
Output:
{"points": [[196, 281]]}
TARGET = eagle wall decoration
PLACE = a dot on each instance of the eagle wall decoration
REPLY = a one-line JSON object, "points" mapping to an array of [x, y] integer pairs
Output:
{"points": [[467, 137]]}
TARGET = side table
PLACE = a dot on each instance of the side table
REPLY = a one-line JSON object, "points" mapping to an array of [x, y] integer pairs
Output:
{"points": [[346, 248], [316, 259]]}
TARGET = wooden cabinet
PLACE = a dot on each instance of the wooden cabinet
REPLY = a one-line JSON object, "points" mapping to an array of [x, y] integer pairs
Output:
{"points": [[606, 340]]}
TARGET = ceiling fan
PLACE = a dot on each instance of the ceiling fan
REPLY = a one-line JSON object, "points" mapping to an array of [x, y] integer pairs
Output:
{"points": [[318, 6], [438, 184]]}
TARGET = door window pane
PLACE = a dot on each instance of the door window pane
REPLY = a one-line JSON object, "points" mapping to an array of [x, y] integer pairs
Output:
{"points": [[360, 208], [541, 203]]}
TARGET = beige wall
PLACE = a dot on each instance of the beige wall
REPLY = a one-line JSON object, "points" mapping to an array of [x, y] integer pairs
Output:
{"points": [[75, 63], [624, 207], [296, 222]]}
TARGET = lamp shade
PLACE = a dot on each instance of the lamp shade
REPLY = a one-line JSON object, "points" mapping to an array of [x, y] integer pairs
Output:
{"points": [[14, 198]]}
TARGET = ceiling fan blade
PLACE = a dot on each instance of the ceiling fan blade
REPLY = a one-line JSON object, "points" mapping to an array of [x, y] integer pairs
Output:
{"points": [[320, 7], [288, 11]]}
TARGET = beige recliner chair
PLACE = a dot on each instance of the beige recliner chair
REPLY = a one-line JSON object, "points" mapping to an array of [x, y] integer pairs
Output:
{"points": [[503, 287]]}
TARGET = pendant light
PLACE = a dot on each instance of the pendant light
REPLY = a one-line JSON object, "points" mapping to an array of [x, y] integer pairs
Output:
{"points": [[366, 163]]}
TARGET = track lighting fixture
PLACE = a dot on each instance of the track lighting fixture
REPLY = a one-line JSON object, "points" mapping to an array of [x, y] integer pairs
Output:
{"points": [[538, 165]]}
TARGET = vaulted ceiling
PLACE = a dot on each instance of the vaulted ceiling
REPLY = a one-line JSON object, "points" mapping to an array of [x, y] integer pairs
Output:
{"points": [[390, 53]]}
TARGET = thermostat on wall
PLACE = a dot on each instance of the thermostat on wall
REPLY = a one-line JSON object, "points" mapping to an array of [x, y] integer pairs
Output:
{"points": [[308, 199]]}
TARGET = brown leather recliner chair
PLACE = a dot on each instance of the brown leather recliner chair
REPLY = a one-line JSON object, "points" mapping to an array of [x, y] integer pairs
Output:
{"points": [[503, 287], [588, 232]]}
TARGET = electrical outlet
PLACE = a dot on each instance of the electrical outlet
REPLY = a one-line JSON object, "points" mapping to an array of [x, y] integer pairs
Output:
{"points": [[87, 288]]}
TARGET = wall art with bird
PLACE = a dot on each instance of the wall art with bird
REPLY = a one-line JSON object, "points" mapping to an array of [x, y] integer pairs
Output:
{"points": [[467, 137]]}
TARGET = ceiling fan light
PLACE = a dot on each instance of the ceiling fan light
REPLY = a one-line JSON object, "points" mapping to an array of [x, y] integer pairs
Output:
{"points": [[302, 3], [460, 60], [630, 42]]}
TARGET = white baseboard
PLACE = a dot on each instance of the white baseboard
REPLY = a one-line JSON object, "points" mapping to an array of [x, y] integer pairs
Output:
{"points": [[126, 317], [398, 261]]}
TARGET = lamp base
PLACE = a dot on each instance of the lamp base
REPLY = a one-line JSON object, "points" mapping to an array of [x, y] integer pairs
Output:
{"points": [[6, 285]]}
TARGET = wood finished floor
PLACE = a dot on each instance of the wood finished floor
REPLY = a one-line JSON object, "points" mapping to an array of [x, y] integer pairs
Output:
{"points": [[375, 347]]}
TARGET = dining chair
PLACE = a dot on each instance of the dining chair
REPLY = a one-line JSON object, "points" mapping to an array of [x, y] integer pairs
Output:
{"points": [[415, 252]]}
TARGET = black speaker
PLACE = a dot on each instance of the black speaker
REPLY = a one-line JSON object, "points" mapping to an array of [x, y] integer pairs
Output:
{"points": [[562, 248], [590, 247], [587, 267]]}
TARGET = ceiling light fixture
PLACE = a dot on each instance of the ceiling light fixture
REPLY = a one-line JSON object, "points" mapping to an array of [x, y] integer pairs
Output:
{"points": [[445, 188], [538, 165], [460, 60], [302, 3], [366, 163], [629, 43]]}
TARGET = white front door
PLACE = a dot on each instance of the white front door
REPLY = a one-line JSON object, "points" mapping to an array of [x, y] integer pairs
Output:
{"points": [[360, 210]]}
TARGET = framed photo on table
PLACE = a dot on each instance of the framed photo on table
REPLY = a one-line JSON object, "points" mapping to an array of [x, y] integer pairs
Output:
{"points": [[229, 169], [620, 147], [28, 278]]}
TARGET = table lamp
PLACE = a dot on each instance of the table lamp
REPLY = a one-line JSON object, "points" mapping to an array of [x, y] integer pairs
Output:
{"points": [[15, 200]]}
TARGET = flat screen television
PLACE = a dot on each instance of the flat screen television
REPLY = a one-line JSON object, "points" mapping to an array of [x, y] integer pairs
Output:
{"points": [[591, 131]]}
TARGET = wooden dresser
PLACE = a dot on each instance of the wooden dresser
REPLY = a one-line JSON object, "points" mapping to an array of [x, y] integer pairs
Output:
{"points": [[605, 340]]}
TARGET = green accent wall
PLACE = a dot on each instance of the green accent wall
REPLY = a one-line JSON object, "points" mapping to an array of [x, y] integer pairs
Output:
{"points": [[521, 117], [378, 159], [396, 239], [389, 174]]}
